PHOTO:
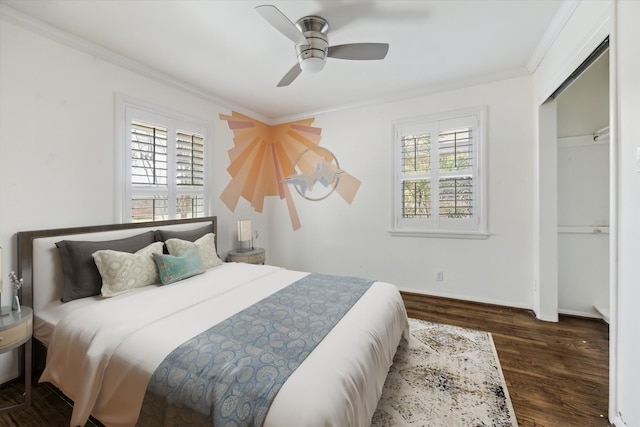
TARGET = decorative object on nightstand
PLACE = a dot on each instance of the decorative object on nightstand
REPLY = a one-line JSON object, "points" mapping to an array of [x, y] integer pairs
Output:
{"points": [[4, 311], [16, 285], [251, 256], [244, 235], [16, 329]]}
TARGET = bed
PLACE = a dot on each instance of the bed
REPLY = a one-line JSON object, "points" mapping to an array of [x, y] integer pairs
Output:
{"points": [[105, 353]]}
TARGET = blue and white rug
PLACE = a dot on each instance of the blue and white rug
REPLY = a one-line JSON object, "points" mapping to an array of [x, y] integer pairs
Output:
{"points": [[445, 376]]}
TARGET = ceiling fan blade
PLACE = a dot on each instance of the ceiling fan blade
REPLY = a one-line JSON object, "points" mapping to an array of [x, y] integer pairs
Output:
{"points": [[359, 51], [290, 76], [281, 23]]}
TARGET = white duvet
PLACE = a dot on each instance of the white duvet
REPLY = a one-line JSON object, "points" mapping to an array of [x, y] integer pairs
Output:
{"points": [[103, 354]]}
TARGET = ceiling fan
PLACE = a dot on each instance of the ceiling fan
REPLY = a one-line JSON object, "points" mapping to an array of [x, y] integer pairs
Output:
{"points": [[309, 34]]}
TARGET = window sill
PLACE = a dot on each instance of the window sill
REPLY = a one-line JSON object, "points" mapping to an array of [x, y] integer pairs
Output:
{"points": [[473, 235]]}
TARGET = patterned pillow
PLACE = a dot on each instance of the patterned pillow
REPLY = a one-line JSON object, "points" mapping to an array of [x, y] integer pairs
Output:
{"points": [[206, 246], [122, 271], [174, 268]]}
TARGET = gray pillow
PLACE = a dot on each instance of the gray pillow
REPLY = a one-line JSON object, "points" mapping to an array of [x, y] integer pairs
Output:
{"points": [[81, 276], [190, 235]]}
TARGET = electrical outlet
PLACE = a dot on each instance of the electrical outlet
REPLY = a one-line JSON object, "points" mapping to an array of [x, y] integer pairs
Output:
{"points": [[439, 276]]}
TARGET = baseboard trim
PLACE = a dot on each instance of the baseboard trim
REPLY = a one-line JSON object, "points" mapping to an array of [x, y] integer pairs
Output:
{"points": [[577, 313], [486, 301]]}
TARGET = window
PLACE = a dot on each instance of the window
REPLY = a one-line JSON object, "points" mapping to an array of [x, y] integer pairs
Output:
{"points": [[439, 186], [163, 165]]}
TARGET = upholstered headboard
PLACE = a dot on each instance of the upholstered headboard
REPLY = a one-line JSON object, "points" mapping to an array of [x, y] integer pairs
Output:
{"points": [[39, 263]]}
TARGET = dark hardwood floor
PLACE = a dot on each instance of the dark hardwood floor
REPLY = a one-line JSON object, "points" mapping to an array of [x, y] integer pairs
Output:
{"points": [[557, 373]]}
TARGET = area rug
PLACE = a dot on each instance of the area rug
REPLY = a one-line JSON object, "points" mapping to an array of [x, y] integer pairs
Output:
{"points": [[445, 376]]}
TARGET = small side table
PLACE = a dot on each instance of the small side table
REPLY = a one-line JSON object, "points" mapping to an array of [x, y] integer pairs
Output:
{"points": [[252, 256], [16, 329]]}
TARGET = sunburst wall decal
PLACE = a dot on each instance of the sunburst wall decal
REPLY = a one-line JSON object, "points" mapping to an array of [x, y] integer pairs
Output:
{"points": [[266, 160]]}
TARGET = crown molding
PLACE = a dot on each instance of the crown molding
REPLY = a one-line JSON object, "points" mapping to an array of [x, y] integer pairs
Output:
{"points": [[11, 15], [561, 18], [427, 90]]}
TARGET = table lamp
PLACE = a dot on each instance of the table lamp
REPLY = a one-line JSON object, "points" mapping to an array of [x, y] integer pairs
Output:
{"points": [[244, 234]]}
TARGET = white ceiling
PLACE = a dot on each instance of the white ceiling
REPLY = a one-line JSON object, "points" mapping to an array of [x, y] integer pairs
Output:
{"points": [[227, 52]]}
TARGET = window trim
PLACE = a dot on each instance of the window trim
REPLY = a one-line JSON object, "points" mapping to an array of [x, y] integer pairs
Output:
{"points": [[426, 228], [124, 106]]}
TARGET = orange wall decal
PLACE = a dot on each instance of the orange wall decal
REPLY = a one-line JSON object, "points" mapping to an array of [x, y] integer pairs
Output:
{"points": [[263, 157]]}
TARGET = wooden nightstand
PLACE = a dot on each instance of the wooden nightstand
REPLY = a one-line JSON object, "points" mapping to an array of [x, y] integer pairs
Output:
{"points": [[16, 329], [253, 256]]}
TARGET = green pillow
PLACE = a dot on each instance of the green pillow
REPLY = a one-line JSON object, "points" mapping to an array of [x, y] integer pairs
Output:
{"points": [[174, 268]]}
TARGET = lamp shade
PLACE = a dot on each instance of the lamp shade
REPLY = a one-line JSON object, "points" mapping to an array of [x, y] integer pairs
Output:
{"points": [[244, 230], [312, 64]]}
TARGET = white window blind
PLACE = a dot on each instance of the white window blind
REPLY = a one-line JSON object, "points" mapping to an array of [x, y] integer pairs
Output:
{"points": [[148, 154], [164, 166], [438, 185], [189, 159]]}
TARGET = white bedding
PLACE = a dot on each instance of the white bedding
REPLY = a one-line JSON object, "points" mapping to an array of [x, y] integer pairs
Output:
{"points": [[45, 320], [102, 354]]}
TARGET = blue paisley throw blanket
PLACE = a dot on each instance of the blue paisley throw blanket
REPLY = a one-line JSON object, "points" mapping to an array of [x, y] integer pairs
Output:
{"points": [[229, 374]]}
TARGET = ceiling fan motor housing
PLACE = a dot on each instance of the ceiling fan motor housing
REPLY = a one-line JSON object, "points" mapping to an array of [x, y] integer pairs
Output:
{"points": [[312, 56]]}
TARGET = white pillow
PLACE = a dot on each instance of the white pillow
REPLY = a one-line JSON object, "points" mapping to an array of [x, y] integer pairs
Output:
{"points": [[123, 271], [206, 249]]}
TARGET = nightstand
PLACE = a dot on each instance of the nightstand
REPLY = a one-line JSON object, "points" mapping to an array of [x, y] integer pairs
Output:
{"points": [[252, 256], [16, 329]]}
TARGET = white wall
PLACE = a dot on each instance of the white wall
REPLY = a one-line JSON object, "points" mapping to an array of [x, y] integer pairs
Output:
{"points": [[354, 239], [627, 334], [57, 134]]}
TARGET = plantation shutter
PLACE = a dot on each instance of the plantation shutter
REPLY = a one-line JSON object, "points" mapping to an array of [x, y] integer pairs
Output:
{"points": [[167, 175], [189, 159], [148, 154], [149, 172], [189, 174], [438, 174], [455, 186], [415, 153]]}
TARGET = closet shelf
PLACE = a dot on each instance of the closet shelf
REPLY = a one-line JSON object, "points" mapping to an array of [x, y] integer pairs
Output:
{"points": [[584, 230]]}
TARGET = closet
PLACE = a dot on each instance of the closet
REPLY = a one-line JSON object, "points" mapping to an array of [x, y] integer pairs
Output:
{"points": [[583, 193]]}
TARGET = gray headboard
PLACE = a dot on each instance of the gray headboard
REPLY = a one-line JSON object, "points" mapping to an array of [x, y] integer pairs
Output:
{"points": [[39, 262]]}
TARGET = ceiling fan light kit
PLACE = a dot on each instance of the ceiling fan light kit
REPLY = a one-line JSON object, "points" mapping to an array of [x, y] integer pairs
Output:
{"points": [[312, 55], [309, 34], [311, 64]]}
